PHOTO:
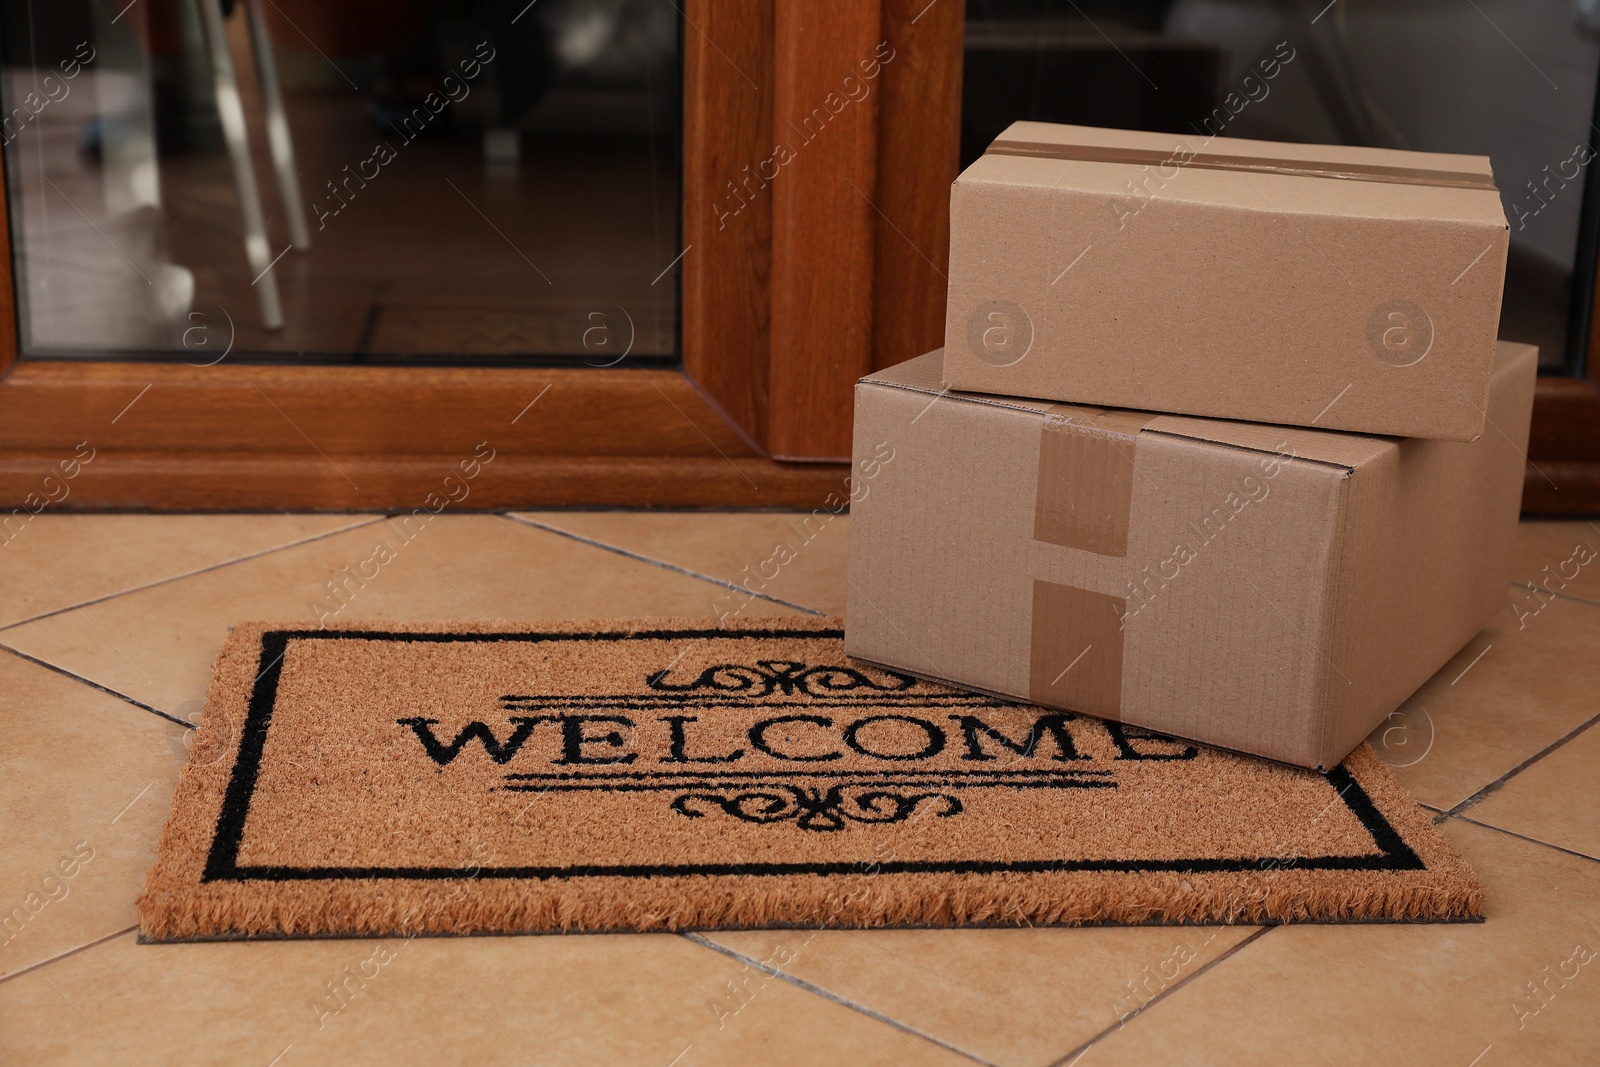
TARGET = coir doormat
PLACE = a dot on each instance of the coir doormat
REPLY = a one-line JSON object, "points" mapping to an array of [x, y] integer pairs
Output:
{"points": [[666, 774]]}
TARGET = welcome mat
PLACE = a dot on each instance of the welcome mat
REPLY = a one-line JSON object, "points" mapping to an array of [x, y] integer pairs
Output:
{"points": [[665, 774]]}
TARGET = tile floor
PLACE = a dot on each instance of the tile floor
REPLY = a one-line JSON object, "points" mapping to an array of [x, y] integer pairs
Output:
{"points": [[108, 625]]}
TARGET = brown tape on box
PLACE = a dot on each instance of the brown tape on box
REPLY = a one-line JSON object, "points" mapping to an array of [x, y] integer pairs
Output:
{"points": [[1076, 659], [1083, 500], [1085, 485], [1181, 156]]}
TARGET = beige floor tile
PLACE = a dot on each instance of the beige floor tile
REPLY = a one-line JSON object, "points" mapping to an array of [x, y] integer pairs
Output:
{"points": [[157, 645], [86, 784], [1555, 800], [1005, 996], [54, 561], [798, 557], [1480, 717], [1564, 556], [1404, 994], [606, 999]]}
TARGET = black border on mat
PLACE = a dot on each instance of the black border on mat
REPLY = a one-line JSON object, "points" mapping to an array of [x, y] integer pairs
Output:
{"points": [[222, 862]]}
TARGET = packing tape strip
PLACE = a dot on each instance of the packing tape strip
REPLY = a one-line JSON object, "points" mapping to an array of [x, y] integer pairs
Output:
{"points": [[1362, 172], [1084, 500], [1085, 489], [1076, 658]]}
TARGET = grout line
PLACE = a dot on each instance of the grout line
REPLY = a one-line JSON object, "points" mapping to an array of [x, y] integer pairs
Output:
{"points": [[64, 955], [1074, 1055], [96, 685], [1530, 840], [190, 574], [1532, 588], [659, 563], [774, 972], [1493, 786]]}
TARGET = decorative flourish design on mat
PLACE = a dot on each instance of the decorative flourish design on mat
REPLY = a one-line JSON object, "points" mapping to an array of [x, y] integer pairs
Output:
{"points": [[769, 676], [814, 808], [765, 797]]}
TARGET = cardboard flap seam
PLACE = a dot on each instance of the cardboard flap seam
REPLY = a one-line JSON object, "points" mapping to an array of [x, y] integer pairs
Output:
{"points": [[986, 401], [1348, 470], [1182, 156], [1464, 219], [969, 398]]}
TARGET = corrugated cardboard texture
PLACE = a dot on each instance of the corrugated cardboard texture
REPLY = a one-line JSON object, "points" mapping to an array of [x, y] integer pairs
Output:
{"points": [[1267, 295], [1281, 590], [1424, 517]]}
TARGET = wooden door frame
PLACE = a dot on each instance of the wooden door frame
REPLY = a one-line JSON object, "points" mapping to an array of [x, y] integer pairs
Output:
{"points": [[797, 278], [1563, 476], [791, 289]]}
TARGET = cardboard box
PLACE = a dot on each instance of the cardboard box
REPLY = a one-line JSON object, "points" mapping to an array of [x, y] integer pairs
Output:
{"points": [[1346, 288], [1273, 590]]}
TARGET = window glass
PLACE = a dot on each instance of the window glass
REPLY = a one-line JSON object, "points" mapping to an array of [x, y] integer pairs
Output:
{"points": [[481, 182]]}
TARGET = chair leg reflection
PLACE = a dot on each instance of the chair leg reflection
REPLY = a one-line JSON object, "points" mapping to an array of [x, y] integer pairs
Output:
{"points": [[279, 143], [231, 111]]}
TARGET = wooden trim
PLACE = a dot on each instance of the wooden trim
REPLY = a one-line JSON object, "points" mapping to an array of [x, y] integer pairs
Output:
{"points": [[727, 211], [824, 221], [1566, 420], [8, 291], [274, 437], [919, 142], [1563, 476], [274, 481], [347, 411], [1572, 488]]}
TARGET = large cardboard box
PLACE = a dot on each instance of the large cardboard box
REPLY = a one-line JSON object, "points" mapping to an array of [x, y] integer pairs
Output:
{"points": [[1273, 590], [1345, 288]]}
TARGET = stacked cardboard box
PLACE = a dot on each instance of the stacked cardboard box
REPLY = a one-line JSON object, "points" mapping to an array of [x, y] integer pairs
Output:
{"points": [[1221, 442]]}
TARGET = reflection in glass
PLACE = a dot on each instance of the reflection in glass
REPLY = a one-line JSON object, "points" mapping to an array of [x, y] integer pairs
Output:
{"points": [[485, 182]]}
